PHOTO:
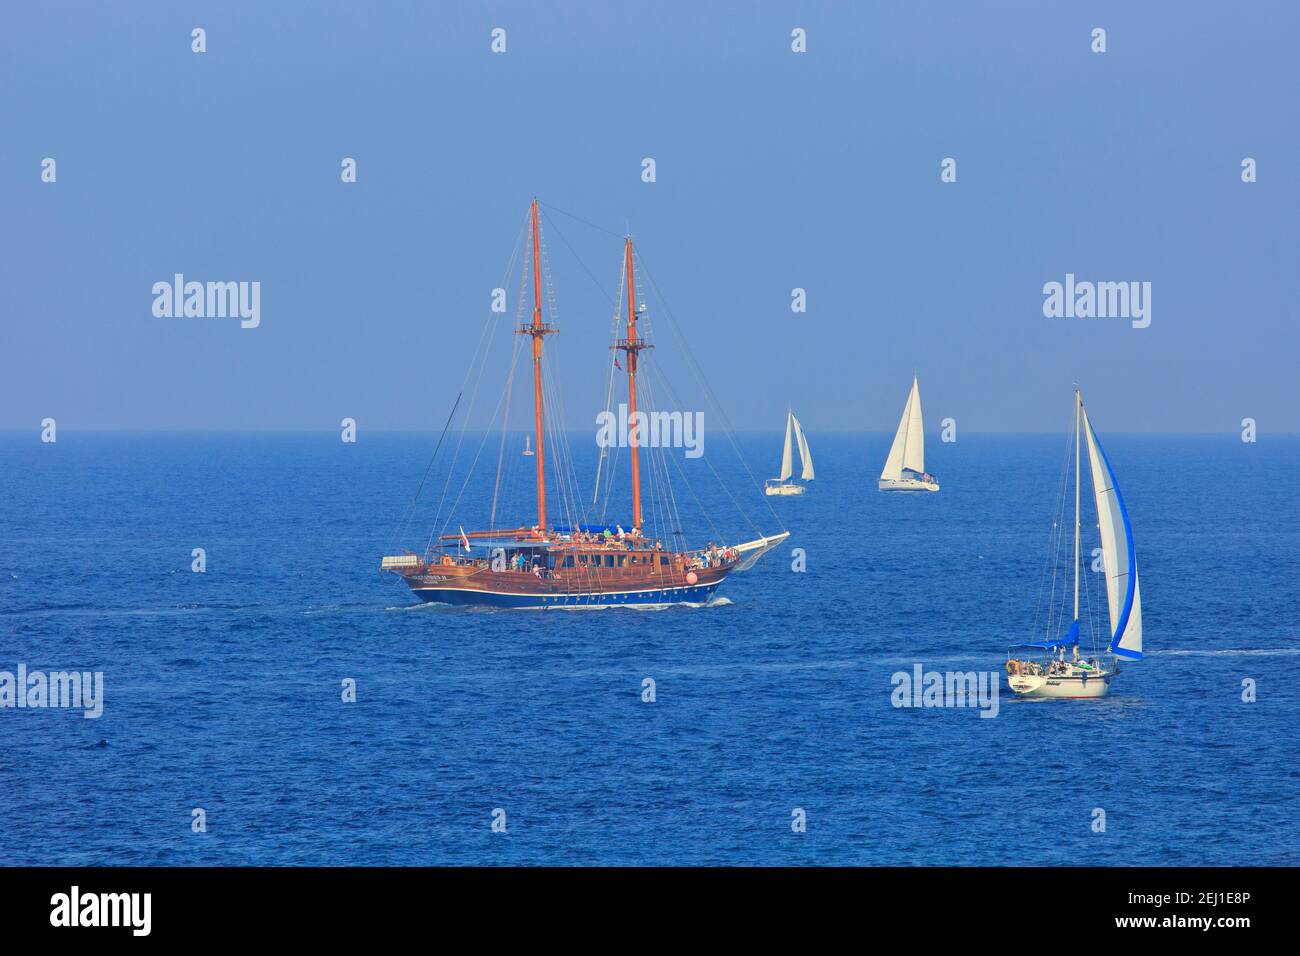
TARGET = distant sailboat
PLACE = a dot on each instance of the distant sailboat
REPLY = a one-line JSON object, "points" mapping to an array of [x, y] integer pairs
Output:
{"points": [[1055, 675], [784, 485], [905, 466], [528, 446]]}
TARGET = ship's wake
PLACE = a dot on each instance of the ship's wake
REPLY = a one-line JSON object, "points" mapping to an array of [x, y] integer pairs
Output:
{"points": [[716, 601], [1228, 652]]}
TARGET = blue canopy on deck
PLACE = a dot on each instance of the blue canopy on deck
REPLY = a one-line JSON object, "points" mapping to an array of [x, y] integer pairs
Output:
{"points": [[1069, 640]]}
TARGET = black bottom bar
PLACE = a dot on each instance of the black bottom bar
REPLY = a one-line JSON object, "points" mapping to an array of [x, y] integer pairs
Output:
{"points": [[332, 905]]}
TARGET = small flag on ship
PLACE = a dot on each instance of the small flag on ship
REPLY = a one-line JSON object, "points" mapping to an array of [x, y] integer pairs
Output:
{"points": [[463, 539]]}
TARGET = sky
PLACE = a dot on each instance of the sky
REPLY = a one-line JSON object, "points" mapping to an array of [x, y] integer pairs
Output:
{"points": [[774, 170]]}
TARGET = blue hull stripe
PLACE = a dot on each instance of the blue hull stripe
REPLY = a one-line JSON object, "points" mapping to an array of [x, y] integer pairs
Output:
{"points": [[697, 594]]}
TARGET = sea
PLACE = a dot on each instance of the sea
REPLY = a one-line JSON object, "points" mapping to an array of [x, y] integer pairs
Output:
{"points": [[760, 729]]}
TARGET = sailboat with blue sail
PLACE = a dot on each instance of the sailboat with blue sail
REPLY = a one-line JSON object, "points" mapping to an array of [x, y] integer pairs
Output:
{"points": [[1053, 668]]}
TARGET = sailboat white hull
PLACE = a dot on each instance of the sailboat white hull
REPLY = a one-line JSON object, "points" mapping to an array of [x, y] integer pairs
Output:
{"points": [[790, 489], [1033, 687], [907, 484]]}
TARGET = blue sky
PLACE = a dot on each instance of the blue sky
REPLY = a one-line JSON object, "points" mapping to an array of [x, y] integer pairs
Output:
{"points": [[774, 171]]}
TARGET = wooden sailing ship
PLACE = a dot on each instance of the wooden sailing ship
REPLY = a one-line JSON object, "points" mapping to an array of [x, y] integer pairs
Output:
{"points": [[545, 565]]}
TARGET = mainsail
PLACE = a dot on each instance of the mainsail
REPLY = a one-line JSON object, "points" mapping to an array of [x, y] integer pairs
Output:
{"points": [[805, 456], [908, 450], [1117, 553], [787, 461]]}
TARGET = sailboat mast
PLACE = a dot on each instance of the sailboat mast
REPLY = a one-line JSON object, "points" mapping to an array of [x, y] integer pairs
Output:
{"points": [[1078, 404], [631, 347], [538, 330]]}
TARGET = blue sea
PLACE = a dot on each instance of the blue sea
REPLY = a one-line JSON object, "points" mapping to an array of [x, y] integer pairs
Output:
{"points": [[223, 689]]}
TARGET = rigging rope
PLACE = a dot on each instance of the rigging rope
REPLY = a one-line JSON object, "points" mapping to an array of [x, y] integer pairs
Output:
{"points": [[410, 509], [708, 392], [505, 424], [481, 363]]}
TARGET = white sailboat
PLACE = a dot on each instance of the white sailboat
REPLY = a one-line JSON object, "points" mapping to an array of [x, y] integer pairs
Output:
{"points": [[784, 485], [1055, 675], [528, 446], [905, 467]]}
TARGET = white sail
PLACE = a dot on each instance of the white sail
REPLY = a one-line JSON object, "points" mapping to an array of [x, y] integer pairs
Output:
{"points": [[914, 452], [787, 461], [908, 450], [1123, 594], [805, 456]]}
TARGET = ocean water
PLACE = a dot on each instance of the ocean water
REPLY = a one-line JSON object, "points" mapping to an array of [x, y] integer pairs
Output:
{"points": [[223, 689]]}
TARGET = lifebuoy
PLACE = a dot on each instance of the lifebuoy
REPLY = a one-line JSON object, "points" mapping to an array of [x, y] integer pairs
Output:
{"points": [[446, 559]]}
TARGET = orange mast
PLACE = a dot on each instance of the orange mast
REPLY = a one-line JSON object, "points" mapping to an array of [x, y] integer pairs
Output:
{"points": [[538, 330], [631, 346]]}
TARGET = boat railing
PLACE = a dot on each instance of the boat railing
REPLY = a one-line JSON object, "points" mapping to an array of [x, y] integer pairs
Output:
{"points": [[638, 345]]}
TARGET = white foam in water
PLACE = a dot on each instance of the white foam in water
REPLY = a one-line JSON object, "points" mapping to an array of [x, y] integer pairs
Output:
{"points": [[715, 601]]}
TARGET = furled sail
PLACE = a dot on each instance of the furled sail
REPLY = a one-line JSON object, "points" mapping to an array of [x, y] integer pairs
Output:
{"points": [[1120, 561], [787, 462], [751, 551], [805, 456], [908, 450]]}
